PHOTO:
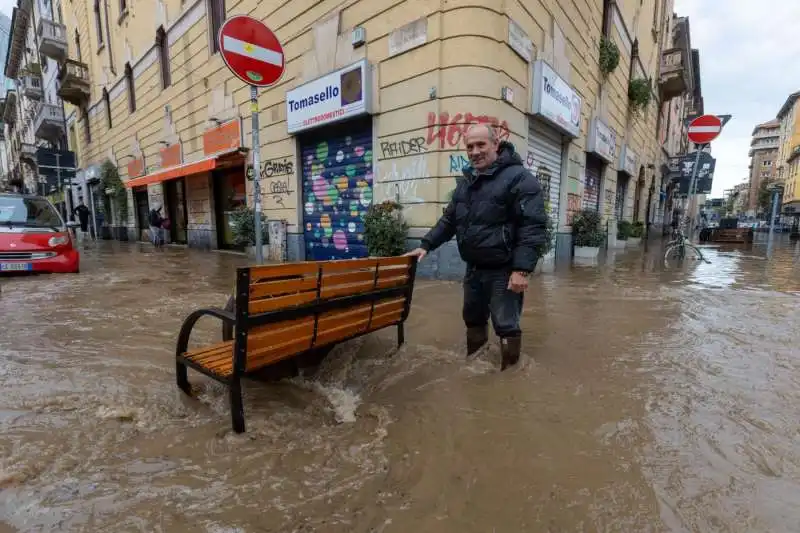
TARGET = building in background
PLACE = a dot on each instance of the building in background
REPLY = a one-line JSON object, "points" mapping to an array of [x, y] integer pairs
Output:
{"points": [[32, 110], [788, 171], [5, 84], [151, 94], [681, 100], [763, 162]]}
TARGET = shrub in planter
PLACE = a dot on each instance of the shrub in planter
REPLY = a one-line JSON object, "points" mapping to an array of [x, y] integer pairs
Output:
{"points": [[587, 229], [609, 55], [385, 230], [624, 229], [545, 248], [637, 230], [243, 222], [639, 93]]}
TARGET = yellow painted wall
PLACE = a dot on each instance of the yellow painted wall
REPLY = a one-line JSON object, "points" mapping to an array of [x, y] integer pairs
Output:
{"points": [[466, 59]]}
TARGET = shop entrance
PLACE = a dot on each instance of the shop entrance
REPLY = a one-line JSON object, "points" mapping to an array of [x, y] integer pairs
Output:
{"points": [[591, 189], [175, 195], [142, 203], [230, 194], [337, 189]]}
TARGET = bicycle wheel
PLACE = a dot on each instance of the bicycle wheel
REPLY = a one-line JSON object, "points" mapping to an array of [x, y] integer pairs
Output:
{"points": [[673, 254]]}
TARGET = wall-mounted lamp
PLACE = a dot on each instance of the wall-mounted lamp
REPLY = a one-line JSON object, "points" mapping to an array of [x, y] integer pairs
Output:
{"points": [[165, 143], [215, 119]]}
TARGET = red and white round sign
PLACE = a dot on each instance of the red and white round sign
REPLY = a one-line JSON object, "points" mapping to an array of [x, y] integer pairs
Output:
{"points": [[251, 51], [704, 129]]}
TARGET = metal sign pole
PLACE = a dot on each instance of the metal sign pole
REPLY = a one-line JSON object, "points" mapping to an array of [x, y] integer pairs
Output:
{"points": [[256, 175], [692, 184]]}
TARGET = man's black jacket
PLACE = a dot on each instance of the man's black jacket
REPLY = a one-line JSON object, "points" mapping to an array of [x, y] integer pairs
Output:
{"points": [[497, 216]]}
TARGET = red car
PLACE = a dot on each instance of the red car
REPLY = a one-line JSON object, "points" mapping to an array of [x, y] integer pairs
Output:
{"points": [[34, 237]]}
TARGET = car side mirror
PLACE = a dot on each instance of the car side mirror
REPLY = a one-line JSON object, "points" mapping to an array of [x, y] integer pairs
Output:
{"points": [[72, 224]]}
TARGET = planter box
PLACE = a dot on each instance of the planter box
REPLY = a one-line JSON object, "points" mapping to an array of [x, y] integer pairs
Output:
{"points": [[619, 243], [587, 252], [634, 241], [251, 251]]}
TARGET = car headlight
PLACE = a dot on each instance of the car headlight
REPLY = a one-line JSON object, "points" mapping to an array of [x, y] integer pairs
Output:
{"points": [[59, 240]]}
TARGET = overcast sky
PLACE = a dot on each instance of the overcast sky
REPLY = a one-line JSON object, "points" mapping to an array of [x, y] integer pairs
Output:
{"points": [[749, 64]]}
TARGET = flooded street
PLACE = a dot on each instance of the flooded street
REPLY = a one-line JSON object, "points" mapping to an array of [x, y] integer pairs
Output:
{"points": [[648, 401]]}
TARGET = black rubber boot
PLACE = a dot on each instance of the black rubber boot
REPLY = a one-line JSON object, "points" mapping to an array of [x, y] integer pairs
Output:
{"points": [[510, 348], [476, 338]]}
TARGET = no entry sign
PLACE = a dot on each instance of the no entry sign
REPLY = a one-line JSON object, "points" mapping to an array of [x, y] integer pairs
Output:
{"points": [[704, 129], [251, 51]]}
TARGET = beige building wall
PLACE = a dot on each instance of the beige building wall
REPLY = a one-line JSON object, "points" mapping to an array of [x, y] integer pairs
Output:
{"points": [[422, 96]]}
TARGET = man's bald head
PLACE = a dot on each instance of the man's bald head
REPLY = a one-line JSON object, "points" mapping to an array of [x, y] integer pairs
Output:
{"points": [[481, 141]]}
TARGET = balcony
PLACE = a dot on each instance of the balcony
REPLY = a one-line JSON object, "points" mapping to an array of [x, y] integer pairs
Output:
{"points": [[673, 79], [48, 123], [10, 109], [52, 39], [31, 86], [27, 152], [73, 77]]}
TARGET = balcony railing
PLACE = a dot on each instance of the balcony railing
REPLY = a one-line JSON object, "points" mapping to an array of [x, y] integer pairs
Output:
{"points": [[74, 79], [31, 86], [52, 39], [10, 109], [673, 79], [27, 152], [49, 122]]}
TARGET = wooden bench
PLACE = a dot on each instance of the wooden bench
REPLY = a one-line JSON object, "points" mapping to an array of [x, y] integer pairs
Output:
{"points": [[286, 310]]}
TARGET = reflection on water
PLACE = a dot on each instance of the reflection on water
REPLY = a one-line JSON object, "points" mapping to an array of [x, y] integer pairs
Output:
{"points": [[649, 400]]}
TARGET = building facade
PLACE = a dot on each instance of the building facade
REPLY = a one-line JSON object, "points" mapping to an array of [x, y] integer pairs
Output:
{"points": [[5, 84], [32, 110], [788, 171], [373, 105], [763, 161]]}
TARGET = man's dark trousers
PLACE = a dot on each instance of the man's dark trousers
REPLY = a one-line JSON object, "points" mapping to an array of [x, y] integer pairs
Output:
{"points": [[486, 295]]}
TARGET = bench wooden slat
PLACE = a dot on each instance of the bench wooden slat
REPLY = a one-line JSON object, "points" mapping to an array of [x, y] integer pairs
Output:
{"points": [[344, 331], [346, 290], [218, 360], [274, 288], [385, 319], [348, 264], [386, 282], [332, 319], [207, 349], [266, 356], [279, 333], [267, 272], [281, 302], [390, 304], [344, 278], [397, 261]]}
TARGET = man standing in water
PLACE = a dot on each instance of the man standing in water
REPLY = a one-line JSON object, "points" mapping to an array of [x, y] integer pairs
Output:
{"points": [[498, 217]]}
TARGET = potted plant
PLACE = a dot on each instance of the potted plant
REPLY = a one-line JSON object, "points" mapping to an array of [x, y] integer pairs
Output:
{"points": [[243, 227], [639, 93], [609, 55], [385, 230], [623, 233], [637, 230], [587, 233]]}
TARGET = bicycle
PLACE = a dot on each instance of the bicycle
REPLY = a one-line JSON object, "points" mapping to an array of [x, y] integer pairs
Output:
{"points": [[677, 248]]}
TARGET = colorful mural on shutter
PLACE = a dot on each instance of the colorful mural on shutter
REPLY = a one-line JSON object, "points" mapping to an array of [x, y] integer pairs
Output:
{"points": [[337, 191]]}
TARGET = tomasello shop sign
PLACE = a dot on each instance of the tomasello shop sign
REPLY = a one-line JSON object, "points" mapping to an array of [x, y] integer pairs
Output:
{"points": [[602, 140], [555, 100], [336, 96]]}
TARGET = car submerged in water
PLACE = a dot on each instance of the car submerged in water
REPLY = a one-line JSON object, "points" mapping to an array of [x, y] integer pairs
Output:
{"points": [[34, 237]]}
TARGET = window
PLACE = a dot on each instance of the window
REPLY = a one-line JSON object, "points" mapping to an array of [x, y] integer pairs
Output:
{"points": [[216, 16], [607, 6], [131, 89], [98, 23], [78, 46], [87, 131], [107, 102], [162, 46]]}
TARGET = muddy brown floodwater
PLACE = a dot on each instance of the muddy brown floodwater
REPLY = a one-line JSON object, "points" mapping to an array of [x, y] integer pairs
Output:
{"points": [[648, 401]]}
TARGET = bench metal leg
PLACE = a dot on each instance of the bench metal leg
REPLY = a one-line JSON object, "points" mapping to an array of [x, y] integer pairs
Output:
{"points": [[237, 410], [401, 335], [182, 377]]}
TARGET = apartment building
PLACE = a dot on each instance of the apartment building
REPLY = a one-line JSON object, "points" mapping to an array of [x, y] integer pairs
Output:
{"points": [[153, 96], [763, 160], [32, 110], [5, 84], [788, 170]]}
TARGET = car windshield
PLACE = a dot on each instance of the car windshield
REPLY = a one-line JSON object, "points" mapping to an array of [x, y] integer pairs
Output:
{"points": [[30, 212]]}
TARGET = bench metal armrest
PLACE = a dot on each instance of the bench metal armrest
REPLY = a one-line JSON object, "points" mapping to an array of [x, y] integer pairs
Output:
{"points": [[188, 324]]}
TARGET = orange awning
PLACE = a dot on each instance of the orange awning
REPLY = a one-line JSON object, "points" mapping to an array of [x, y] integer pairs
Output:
{"points": [[179, 171]]}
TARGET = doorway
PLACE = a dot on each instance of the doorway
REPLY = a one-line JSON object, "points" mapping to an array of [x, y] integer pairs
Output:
{"points": [[175, 193], [230, 194], [142, 203]]}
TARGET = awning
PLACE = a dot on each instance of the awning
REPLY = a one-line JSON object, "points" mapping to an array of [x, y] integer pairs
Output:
{"points": [[220, 160]]}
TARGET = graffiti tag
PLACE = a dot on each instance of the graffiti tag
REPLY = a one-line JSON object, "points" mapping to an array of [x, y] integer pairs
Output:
{"points": [[457, 163], [449, 129], [412, 146], [573, 206], [277, 167]]}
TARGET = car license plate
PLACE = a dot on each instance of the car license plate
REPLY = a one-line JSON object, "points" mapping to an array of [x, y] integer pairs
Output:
{"points": [[14, 267]]}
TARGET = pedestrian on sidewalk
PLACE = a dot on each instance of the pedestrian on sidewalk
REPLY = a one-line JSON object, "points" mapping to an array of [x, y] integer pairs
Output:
{"points": [[498, 217], [156, 221], [83, 216]]}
